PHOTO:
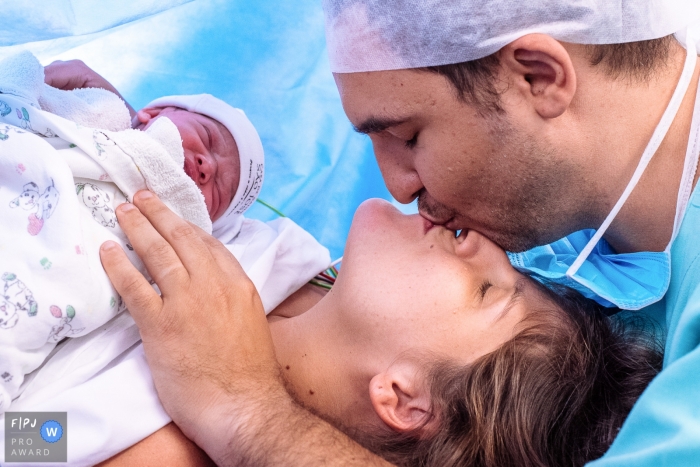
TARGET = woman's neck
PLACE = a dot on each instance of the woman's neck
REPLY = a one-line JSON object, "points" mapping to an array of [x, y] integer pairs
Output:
{"points": [[320, 362], [301, 342], [299, 302]]}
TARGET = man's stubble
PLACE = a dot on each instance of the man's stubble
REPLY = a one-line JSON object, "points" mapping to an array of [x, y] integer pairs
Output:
{"points": [[525, 196]]}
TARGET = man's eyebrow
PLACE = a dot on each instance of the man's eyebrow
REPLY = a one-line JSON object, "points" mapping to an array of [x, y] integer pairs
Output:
{"points": [[519, 288], [375, 125]]}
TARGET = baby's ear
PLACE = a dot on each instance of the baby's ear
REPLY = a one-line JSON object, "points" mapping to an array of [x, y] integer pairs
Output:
{"points": [[401, 399], [148, 113]]}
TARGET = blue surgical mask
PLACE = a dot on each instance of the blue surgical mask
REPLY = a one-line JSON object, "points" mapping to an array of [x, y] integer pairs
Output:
{"points": [[587, 263], [629, 280]]}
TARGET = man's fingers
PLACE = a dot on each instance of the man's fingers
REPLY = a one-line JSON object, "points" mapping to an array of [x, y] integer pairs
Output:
{"points": [[180, 234], [157, 255], [222, 256], [140, 298]]}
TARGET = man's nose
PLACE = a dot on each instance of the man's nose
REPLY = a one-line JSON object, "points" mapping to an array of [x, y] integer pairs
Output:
{"points": [[206, 169], [400, 176]]}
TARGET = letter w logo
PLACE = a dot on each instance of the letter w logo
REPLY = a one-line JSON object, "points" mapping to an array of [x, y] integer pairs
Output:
{"points": [[51, 431]]}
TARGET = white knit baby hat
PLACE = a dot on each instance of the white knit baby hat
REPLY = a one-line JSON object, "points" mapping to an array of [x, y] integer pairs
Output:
{"points": [[373, 35]]}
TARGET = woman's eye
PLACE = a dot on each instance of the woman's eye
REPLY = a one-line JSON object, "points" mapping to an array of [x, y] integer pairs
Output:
{"points": [[486, 285], [457, 233], [411, 143]]}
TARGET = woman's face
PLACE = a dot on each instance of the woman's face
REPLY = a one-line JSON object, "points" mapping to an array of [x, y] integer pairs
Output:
{"points": [[406, 288], [407, 284]]}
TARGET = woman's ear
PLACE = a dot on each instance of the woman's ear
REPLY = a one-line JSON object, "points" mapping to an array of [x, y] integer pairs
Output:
{"points": [[401, 399], [542, 71]]}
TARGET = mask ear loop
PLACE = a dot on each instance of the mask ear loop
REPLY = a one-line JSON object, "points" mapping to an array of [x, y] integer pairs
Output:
{"points": [[654, 143]]}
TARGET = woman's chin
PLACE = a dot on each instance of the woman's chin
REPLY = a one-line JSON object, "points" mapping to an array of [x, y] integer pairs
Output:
{"points": [[373, 214]]}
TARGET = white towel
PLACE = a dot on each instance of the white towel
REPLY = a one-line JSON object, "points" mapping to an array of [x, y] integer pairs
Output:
{"points": [[21, 77], [91, 107]]}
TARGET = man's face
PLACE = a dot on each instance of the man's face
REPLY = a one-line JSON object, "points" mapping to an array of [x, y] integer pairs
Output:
{"points": [[469, 169]]}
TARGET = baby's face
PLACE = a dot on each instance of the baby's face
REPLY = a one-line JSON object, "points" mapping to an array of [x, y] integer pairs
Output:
{"points": [[211, 154]]}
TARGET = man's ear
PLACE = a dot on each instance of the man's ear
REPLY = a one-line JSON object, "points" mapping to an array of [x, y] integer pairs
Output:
{"points": [[542, 71], [401, 399]]}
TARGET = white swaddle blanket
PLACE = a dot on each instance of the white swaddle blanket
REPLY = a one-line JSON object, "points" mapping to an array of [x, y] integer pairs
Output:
{"points": [[59, 184]]}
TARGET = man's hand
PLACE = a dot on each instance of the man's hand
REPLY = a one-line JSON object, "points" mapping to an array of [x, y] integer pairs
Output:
{"points": [[74, 74], [207, 334], [209, 346]]}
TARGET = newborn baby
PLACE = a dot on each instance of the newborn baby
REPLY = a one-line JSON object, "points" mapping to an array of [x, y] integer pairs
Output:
{"points": [[223, 153]]}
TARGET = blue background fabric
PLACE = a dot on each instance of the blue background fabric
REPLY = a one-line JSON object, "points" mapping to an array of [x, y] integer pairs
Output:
{"points": [[39, 20], [266, 57]]}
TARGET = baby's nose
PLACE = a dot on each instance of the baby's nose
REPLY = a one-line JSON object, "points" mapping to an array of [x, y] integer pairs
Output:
{"points": [[205, 168]]}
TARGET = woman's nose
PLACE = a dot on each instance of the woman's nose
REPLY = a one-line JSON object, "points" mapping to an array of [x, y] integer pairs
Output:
{"points": [[206, 169]]}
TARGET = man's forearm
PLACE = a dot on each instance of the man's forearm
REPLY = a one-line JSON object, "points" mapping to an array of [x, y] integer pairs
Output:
{"points": [[271, 429]]}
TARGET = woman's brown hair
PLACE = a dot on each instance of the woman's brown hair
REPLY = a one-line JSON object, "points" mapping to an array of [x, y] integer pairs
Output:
{"points": [[556, 394]]}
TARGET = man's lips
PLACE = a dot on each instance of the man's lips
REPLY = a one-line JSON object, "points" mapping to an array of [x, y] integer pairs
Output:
{"points": [[436, 221], [449, 225]]}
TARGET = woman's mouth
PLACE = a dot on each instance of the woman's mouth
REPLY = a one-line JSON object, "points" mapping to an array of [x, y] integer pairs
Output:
{"points": [[427, 225]]}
